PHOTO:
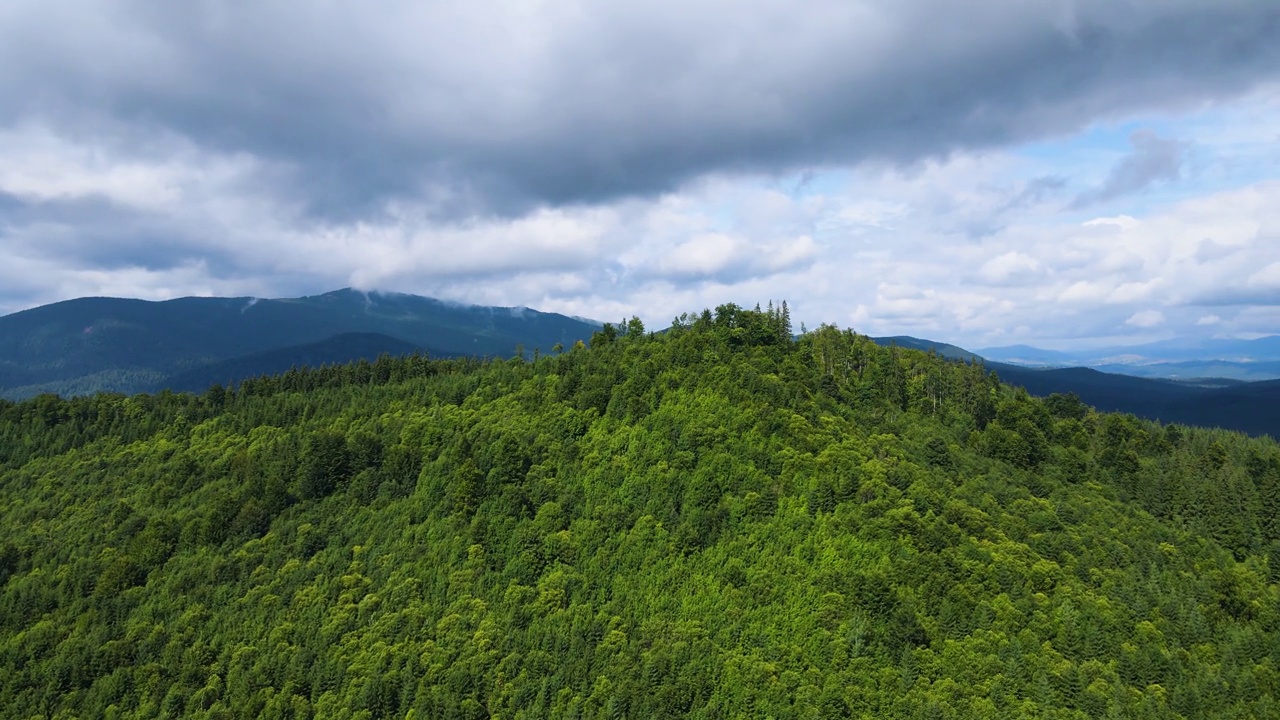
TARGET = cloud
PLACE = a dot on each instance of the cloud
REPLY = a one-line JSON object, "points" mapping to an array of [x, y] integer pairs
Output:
{"points": [[1229, 297], [1133, 291], [1096, 279], [1153, 159], [1084, 290], [1146, 319], [480, 109], [1010, 268], [717, 255], [1035, 191], [1209, 251], [1268, 277], [895, 164]]}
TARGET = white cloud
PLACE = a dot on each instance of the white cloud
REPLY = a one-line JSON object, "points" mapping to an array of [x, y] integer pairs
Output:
{"points": [[953, 249], [41, 166], [705, 254], [1105, 277], [1084, 291], [1267, 277], [1012, 266], [792, 253], [1133, 291], [1120, 222], [1146, 319]]}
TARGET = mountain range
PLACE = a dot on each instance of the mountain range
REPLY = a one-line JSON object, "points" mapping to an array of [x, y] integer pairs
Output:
{"points": [[1252, 407], [107, 344], [1176, 359], [90, 345]]}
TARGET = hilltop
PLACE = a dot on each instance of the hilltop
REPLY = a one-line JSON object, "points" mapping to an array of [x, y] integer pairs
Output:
{"points": [[714, 521]]}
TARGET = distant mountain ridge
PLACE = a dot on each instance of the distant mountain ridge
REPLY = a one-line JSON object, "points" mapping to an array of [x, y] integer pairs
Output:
{"points": [[1252, 407], [120, 345], [947, 351], [104, 344], [337, 350], [1182, 358]]}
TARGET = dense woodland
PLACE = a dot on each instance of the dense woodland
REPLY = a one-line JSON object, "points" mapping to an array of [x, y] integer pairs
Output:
{"points": [[717, 521]]}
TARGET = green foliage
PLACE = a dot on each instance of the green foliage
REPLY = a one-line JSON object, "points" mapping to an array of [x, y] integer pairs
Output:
{"points": [[716, 521]]}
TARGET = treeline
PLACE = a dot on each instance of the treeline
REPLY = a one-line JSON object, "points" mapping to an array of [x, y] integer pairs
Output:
{"points": [[716, 521]]}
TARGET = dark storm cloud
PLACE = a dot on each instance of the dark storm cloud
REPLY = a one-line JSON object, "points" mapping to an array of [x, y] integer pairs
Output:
{"points": [[94, 232], [480, 109], [1153, 159]]}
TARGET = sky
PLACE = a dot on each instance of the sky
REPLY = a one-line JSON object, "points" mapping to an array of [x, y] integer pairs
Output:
{"points": [[1064, 173]]}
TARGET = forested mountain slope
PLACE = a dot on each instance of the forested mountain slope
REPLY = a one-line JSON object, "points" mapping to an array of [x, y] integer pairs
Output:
{"points": [[946, 350], [1251, 407], [91, 344], [337, 350], [713, 522]]}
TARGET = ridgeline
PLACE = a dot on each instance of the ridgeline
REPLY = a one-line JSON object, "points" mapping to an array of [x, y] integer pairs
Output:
{"points": [[718, 521]]}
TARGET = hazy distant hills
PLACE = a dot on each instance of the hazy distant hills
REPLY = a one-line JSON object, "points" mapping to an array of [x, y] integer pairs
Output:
{"points": [[1252, 407], [1175, 359], [107, 344]]}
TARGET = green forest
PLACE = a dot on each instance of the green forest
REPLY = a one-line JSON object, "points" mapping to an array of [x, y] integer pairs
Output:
{"points": [[720, 520]]}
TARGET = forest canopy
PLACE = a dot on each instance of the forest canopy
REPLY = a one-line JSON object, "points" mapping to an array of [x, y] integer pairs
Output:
{"points": [[721, 520]]}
